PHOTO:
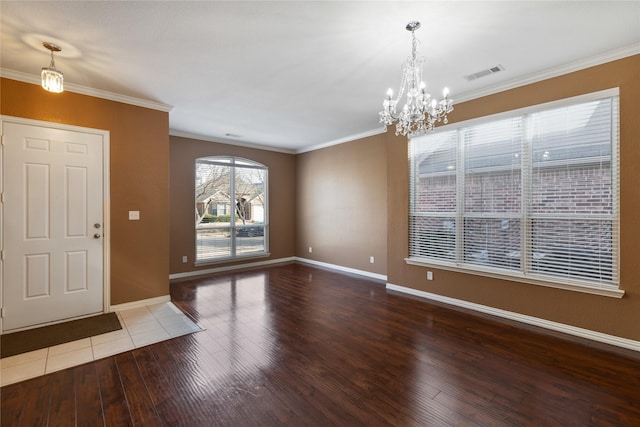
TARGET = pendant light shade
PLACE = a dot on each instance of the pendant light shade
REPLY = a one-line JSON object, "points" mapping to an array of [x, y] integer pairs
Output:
{"points": [[52, 79]]}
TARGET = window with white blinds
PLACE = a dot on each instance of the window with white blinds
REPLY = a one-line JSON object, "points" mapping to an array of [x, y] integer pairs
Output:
{"points": [[531, 194]]}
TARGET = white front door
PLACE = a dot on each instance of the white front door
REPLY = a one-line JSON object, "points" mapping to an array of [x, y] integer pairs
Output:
{"points": [[53, 224]]}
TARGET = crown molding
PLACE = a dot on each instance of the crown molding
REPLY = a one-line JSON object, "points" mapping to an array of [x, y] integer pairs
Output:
{"points": [[549, 73], [610, 56], [342, 140], [235, 142], [614, 55], [84, 90]]}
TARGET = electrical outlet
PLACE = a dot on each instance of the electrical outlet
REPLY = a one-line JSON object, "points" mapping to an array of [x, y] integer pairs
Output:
{"points": [[310, 249], [134, 215], [184, 259], [372, 259], [429, 275]]}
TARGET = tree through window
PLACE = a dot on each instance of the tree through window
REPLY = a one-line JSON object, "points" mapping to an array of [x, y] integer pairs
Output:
{"points": [[230, 208]]}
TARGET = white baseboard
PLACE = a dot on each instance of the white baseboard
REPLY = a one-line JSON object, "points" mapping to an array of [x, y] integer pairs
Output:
{"points": [[535, 321], [140, 303], [230, 268], [277, 261], [343, 269]]}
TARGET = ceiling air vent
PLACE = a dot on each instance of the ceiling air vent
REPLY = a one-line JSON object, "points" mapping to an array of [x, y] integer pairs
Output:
{"points": [[483, 73]]}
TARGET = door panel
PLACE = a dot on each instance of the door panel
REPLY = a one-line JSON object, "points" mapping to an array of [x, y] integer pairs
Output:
{"points": [[53, 225]]}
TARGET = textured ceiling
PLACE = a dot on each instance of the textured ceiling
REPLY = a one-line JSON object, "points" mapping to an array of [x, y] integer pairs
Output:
{"points": [[295, 75]]}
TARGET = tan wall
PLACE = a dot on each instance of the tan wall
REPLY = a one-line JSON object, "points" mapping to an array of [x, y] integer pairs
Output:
{"points": [[619, 317], [348, 202], [342, 205], [282, 189], [139, 179]]}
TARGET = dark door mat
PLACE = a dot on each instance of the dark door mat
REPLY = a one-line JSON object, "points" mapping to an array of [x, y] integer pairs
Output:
{"points": [[47, 336]]}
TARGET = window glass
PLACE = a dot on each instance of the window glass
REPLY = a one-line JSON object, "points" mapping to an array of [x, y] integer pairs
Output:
{"points": [[528, 195], [230, 214]]}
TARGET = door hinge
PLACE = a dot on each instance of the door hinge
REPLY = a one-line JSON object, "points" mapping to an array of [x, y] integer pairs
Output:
{"points": [[2, 312]]}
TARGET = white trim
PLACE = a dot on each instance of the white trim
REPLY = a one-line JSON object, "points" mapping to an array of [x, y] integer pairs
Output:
{"points": [[106, 218], [52, 125], [84, 90], [488, 272], [140, 303], [278, 261], [578, 99], [522, 318], [229, 268], [234, 142], [343, 269], [550, 73], [339, 141]]}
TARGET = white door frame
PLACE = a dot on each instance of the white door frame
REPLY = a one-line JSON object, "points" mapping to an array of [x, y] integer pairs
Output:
{"points": [[106, 206]]}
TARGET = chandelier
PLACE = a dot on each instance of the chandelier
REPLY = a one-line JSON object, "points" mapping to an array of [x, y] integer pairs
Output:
{"points": [[52, 79], [421, 112]]}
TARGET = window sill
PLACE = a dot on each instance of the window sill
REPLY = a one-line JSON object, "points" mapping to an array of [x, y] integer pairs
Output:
{"points": [[609, 291], [232, 259]]}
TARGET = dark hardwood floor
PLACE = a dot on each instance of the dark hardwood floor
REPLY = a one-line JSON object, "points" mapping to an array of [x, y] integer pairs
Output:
{"points": [[301, 346]]}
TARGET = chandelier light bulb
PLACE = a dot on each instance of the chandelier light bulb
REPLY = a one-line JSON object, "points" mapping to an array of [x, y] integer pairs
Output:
{"points": [[420, 112]]}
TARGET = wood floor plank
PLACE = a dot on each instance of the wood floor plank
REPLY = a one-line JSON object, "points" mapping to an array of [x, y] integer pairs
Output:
{"points": [[115, 408], [62, 410], [34, 408], [295, 345], [88, 399], [11, 400], [141, 406], [170, 402]]}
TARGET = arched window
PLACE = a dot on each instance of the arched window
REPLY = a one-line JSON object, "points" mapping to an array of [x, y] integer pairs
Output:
{"points": [[231, 218]]}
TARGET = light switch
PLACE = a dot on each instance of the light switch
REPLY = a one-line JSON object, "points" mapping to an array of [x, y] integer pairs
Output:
{"points": [[134, 215]]}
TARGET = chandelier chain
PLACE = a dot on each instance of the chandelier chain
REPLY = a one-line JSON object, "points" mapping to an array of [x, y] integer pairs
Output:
{"points": [[414, 44]]}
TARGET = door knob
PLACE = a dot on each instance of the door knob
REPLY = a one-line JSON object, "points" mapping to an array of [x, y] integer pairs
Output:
{"points": [[96, 236], [96, 225]]}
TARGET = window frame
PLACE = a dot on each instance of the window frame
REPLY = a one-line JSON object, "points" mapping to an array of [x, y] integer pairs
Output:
{"points": [[524, 216], [234, 162]]}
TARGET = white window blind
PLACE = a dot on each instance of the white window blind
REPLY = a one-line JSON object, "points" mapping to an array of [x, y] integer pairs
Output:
{"points": [[573, 205], [530, 195], [492, 193], [433, 197]]}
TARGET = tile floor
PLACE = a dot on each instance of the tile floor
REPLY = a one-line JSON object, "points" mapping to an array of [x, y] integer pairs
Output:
{"points": [[140, 326]]}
